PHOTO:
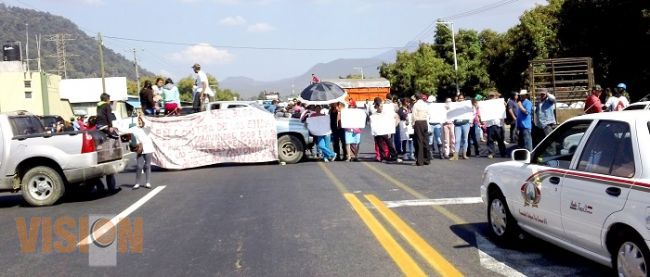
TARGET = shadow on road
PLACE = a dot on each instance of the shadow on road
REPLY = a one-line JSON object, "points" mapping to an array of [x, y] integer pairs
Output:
{"points": [[527, 255]]}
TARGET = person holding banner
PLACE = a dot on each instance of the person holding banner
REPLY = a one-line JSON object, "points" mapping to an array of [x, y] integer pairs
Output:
{"points": [[495, 132], [353, 138], [475, 129], [421, 128], [461, 130], [323, 141], [435, 129], [383, 147], [449, 139], [338, 133]]}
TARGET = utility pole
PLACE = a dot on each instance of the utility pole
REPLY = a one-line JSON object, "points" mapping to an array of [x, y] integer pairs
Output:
{"points": [[38, 52], [101, 60], [137, 75], [60, 41], [360, 69], [27, 45], [453, 42]]}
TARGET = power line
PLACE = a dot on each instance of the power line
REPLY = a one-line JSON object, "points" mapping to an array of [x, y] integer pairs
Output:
{"points": [[254, 47], [479, 9]]}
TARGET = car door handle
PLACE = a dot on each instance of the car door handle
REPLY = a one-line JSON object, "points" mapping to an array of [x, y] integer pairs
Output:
{"points": [[554, 180], [613, 191]]}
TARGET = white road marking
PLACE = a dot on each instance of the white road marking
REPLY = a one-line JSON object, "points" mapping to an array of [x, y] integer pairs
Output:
{"points": [[107, 226], [490, 263], [434, 202], [504, 261]]}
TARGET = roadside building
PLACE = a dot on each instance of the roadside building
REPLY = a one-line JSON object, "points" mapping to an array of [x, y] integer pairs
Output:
{"points": [[364, 89], [35, 92], [84, 94]]}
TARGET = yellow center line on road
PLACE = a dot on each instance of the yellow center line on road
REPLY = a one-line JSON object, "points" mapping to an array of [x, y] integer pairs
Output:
{"points": [[404, 261], [433, 257], [448, 214]]}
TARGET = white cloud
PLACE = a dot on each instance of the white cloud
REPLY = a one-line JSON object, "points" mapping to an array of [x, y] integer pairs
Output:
{"points": [[203, 53], [261, 27], [232, 21]]}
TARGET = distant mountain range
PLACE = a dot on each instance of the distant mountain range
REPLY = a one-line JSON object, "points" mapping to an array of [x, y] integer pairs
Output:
{"points": [[248, 87], [82, 50]]}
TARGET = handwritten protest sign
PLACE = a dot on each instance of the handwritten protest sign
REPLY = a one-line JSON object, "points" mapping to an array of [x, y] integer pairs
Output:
{"points": [[243, 135], [353, 118], [319, 125], [460, 110], [494, 109], [437, 113], [382, 124]]}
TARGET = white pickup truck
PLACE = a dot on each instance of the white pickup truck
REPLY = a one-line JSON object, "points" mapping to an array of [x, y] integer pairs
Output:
{"points": [[585, 187], [43, 165]]}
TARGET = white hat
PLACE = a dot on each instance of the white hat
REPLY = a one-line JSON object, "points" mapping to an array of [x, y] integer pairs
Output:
{"points": [[523, 92], [431, 99]]}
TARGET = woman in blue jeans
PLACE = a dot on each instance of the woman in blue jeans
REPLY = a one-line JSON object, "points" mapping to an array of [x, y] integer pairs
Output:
{"points": [[324, 142], [461, 130]]}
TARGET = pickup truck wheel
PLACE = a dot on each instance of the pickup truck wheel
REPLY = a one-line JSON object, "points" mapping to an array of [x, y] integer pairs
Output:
{"points": [[503, 226], [631, 256], [290, 149], [42, 186]]}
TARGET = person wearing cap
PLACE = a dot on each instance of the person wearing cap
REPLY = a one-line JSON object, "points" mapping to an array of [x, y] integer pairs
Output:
{"points": [[202, 91], [511, 115], [421, 128], [524, 120], [618, 101], [435, 136], [592, 103], [545, 111]]}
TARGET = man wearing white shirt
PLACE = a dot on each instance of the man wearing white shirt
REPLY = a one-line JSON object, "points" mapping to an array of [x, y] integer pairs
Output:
{"points": [[421, 126], [202, 89]]}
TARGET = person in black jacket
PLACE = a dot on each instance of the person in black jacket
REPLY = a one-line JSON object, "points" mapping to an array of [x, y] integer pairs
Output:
{"points": [[105, 114], [146, 98]]}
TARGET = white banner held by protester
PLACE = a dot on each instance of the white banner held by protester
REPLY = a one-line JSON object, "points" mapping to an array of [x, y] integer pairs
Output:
{"points": [[437, 113], [245, 135], [382, 124], [460, 110], [494, 109], [353, 118], [319, 125]]}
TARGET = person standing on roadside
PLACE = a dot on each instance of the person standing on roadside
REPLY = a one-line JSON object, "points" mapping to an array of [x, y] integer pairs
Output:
{"points": [[449, 139], [405, 129], [421, 129], [495, 132], [324, 142], [146, 98], [474, 129], [202, 91], [511, 115], [593, 104], [524, 120], [461, 130], [338, 133], [435, 128], [353, 138], [144, 154], [545, 111], [383, 147], [104, 123]]}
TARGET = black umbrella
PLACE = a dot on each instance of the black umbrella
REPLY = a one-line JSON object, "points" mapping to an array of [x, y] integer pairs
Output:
{"points": [[322, 93]]}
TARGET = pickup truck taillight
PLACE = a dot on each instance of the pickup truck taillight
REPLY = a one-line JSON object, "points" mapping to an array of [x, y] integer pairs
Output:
{"points": [[88, 144]]}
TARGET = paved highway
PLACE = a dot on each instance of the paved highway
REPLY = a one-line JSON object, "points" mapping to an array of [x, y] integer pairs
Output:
{"points": [[309, 219]]}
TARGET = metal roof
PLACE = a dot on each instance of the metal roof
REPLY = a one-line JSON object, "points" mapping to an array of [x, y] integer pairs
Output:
{"points": [[361, 83]]}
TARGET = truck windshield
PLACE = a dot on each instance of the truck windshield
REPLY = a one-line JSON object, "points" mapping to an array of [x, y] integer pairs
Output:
{"points": [[26, 125]]}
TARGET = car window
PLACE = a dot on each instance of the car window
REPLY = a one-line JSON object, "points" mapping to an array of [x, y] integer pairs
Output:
{"points": [[609, 150], [215, 107], [26, 125], [635, 107], [237, 106], [558, 149]]}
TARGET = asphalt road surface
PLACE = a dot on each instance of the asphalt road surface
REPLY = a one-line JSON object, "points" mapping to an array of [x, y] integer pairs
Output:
{"points": [[309, 219]]}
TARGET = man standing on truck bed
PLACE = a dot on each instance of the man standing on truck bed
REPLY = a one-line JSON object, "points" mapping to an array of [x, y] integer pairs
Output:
{"points": [[105, 124]]}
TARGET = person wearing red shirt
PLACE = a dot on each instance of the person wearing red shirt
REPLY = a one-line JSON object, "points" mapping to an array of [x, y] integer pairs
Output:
{"points": [[593, 104]]}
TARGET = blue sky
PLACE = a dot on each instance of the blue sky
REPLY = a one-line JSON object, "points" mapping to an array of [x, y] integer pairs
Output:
{"points": [[207, 26]]}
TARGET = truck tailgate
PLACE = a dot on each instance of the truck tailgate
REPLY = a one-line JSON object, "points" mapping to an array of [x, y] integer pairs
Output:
{"points": [[108, 149]]}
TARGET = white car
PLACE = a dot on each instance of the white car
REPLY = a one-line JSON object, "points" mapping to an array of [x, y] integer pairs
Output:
{"points": [[645, 105], [585, 187]]}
